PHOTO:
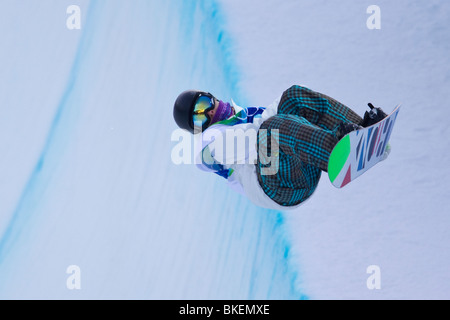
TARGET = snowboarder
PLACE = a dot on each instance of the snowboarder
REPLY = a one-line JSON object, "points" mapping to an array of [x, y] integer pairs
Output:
{"points": [[299, 130]]}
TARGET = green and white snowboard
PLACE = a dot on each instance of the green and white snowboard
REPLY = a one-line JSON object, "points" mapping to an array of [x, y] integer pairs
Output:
{"points": [[360, 150]]}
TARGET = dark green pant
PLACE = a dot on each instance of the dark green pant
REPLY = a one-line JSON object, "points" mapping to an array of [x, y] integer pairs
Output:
{"points": [[306, 122]]}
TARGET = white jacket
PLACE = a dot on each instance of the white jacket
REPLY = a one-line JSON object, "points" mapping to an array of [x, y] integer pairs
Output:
{"points": [[243, 177]]}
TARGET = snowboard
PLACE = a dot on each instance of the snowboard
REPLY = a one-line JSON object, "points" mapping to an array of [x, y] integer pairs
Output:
{"points": [[360, 150]]}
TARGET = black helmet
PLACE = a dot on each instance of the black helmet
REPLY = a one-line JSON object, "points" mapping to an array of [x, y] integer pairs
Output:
{"points": [[184, 107]]}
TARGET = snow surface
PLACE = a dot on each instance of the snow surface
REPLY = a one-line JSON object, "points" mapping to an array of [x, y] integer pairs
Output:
{"points": [[87, 179]]}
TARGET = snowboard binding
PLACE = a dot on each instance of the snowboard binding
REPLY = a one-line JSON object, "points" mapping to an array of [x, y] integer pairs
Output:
{"points": [[373, 116]]}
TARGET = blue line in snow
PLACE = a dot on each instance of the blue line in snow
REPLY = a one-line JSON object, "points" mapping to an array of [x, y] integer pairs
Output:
{"points": [[31, 192], [36, 182], [232, 76]]}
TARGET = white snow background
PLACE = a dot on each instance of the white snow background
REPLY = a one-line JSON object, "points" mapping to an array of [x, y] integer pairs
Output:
{"points": [[87, 179]]}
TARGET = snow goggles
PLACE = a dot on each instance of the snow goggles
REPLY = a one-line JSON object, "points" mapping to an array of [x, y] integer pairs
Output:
{"points": [[204, 103]]}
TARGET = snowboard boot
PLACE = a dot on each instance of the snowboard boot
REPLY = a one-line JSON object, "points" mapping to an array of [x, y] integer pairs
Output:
{"points": [[345, 128], [373, 116]]}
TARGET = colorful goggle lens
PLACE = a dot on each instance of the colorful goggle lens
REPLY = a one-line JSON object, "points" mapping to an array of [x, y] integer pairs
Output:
{"points": [[203, 105]]}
